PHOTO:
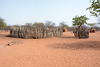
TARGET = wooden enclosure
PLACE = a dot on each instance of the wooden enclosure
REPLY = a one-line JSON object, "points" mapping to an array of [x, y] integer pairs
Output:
{"points": [[35, 32]]}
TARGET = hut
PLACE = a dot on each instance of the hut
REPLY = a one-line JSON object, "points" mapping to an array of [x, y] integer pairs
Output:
{"points": [[65, 29], [92, 30]]}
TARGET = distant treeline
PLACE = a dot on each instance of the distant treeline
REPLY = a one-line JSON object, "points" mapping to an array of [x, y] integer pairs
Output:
{"points": [[48, 24], [68, 28]]}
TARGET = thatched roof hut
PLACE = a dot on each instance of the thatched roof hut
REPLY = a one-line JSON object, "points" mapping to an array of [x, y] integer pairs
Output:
{"points": [[92, 30], [65, 29]]}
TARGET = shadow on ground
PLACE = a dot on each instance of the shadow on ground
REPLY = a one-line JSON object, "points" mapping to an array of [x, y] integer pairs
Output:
{"points": [[68, 37], [76, 46], [8, 36]]}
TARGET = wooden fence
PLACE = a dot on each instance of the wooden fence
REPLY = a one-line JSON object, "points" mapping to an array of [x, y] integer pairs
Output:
{"points": [[35, 32]]}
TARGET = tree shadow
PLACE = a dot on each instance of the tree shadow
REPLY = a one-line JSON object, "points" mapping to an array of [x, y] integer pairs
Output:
{"points": [[8, 36], [68, 37], [76, 46]]}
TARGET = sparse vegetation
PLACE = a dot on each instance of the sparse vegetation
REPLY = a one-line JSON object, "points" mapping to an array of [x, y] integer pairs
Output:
{"points": [[36, 24], [79, 21], [45, 44], [95, 8], [63, 24], [2, 24], [49, 24]]}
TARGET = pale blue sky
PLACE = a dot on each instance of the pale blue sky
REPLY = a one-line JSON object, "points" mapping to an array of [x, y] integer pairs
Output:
{"points": [[24, 11]]}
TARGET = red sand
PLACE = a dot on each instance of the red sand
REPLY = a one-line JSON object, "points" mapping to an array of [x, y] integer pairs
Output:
{"points": [[64, 51]]}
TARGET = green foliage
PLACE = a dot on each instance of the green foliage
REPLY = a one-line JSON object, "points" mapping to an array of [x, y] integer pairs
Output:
{"points": [[95, 8], [91, 24], [2, 24], [79, 21], [38, 24]]}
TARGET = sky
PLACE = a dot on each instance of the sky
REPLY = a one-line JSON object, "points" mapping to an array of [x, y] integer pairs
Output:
{"points": [[30, 11]]}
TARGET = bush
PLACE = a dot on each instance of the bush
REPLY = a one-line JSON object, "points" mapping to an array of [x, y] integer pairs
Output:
{"points": [[2, 24]]}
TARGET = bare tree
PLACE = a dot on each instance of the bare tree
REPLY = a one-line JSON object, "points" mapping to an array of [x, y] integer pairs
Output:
{"points": [[63, 25], [49, 24], [28, 24]]}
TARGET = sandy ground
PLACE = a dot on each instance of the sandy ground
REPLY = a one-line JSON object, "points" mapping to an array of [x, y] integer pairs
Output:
{"points": [[64, 51]]}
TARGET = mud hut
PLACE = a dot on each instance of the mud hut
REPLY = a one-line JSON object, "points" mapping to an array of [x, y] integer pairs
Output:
{"points": [[92, 30], [65, 29]]}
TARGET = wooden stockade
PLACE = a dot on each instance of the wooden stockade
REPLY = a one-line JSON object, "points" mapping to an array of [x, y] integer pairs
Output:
{"points": [[81, 32], [35, 32]]}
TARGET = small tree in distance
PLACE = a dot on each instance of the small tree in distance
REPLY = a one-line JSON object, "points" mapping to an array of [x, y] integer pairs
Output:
{"points": [[2, 24], [28, 24], [38, 24], [63, 24], [49, 24]]}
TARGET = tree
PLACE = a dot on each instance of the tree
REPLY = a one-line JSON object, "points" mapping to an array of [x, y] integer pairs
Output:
{"points": [[63, 24], [28, 25], [95, 8], [79, 21], [2, 24], [91, 24], [49, 24], [38, 24], [16, 25]]}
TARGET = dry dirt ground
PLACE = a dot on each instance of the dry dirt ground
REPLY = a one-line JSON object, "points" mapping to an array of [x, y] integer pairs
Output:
{"points": [[64, 51]]}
